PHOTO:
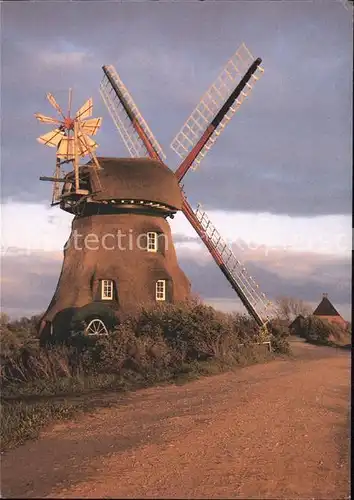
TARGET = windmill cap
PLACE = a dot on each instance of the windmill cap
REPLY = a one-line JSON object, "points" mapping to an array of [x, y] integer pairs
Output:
{"points": [[137, 179]]}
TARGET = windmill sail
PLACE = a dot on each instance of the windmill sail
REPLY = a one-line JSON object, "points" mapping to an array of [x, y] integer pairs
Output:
{"points": [[86, 110], [46, 119], [91, 126], [195, 138], [255, 302], [85, 143], [51, 139], [136, 134], [66, 149], [54, 103], [216, 108]]}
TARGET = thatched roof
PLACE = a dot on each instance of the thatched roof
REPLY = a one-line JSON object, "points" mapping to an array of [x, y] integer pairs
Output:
{"points": [[137, 179], [325, 308]]}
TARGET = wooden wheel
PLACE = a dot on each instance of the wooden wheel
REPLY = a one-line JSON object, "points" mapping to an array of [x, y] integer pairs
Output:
{"points": [[96, 327]]}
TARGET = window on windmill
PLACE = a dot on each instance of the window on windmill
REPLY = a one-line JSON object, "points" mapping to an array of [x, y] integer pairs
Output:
{"points": [[107, 289], [85, 183], [152, 241], [160, 290]]}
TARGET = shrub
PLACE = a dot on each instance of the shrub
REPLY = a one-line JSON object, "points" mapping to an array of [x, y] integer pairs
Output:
{"points": [[161, 343], [279, 335], [318, 331], [193, 330], [17, 334], [157, 339], [31, 364]]}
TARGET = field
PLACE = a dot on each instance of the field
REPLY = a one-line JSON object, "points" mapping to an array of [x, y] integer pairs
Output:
{"points": [[161, 345], [275, 430], [226, 418]]}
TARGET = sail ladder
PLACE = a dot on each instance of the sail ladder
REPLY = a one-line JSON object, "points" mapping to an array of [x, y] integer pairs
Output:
{"points": [[244, 285]]}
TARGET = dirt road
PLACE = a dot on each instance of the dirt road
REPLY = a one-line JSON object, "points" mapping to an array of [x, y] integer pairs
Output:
{"points": [[278, 430]]}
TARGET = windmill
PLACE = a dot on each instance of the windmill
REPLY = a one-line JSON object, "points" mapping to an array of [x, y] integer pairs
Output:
{"points": [[196, 137], [135, 196], [72, 141]]}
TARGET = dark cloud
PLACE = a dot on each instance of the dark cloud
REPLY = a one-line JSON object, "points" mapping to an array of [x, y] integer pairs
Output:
{"points": [[184, 238], [286, 151], [29, 281], [326, 276]]}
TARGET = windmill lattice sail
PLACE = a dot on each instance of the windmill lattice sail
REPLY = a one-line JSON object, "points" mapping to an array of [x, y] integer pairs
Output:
{"points": [[136, 134], [196, 137], [213, 100], [244, 285]]}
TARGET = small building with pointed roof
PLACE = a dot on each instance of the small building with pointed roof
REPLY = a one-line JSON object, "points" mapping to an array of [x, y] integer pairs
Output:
{"points": [[326, 310], [297, 323]]}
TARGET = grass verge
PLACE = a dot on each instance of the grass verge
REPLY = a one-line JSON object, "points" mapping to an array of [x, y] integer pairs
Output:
{"points": [[28, 408], [157, 345]]}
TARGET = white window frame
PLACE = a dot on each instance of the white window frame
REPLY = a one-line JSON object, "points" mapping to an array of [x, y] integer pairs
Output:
{"points": [[160, 290], [107, 289], [151, 241]]}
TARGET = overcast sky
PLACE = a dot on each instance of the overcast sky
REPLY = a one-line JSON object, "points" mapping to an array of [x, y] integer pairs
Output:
{"points": [[279, 177]]}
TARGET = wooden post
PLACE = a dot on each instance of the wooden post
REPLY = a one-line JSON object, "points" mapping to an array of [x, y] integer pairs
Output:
{"points": [[76, 157]]}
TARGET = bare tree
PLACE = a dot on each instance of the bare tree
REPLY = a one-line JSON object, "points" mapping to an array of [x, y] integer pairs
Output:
{"points": [[4, 319], [289, 308]]}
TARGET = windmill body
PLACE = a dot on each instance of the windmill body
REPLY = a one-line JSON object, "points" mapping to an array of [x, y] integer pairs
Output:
{"points": [[120, 253], [116, 199]]}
